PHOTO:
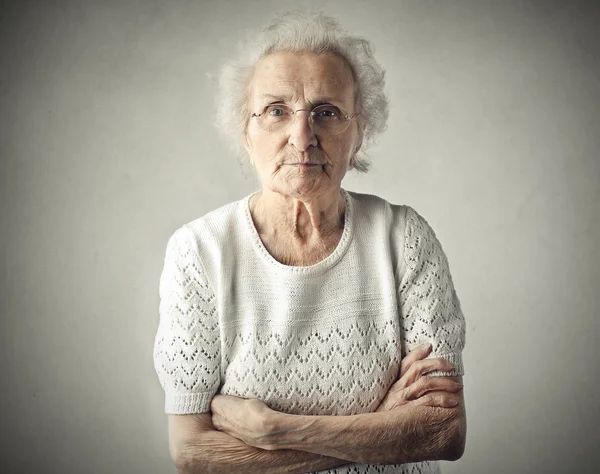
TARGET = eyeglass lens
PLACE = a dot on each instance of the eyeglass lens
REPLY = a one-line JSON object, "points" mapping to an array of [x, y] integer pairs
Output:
{"points": [[328, 118]]}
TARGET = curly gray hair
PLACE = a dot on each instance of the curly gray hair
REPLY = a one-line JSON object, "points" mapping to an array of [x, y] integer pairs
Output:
{"points": [[303, 32]]}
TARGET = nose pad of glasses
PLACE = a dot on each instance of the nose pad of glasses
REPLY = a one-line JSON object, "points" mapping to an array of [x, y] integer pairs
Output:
{"points": [[297, 118]]}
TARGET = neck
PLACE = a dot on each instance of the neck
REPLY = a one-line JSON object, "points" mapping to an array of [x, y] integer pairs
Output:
{"points": [[304, 220]]}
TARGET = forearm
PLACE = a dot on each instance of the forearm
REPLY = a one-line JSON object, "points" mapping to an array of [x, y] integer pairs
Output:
{"points": [[218, 452], [407, 434]]}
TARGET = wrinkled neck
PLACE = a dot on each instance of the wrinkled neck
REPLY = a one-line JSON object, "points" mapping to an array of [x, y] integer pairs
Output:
{"points": [[280, 216]]}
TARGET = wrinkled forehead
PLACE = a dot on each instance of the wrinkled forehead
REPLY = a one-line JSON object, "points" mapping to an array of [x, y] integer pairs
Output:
{"points": [[302, 77]]}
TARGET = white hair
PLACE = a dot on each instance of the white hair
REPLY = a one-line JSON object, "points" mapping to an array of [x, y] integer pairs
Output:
{"points": [[303, 32]]}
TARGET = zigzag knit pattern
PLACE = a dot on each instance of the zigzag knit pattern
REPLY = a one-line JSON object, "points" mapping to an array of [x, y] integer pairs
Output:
{"points": [[325, 369], [430, 306], [187, 345], [315, 343], [425, 467]]}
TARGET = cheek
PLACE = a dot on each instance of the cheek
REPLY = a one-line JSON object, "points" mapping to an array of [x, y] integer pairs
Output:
{"points": [[257, 143], [260, 140], [267, 152], [338, 150]]}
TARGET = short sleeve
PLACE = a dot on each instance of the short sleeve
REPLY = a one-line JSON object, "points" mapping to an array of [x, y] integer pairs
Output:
{"points": [[187, 343], [430, 308]]}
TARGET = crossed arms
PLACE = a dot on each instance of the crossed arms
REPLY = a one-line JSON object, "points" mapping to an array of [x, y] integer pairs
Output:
{"points": [[421, 418]]}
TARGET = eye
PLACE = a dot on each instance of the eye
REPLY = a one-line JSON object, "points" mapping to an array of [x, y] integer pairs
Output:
{"points": [[277, 110], [327, 112]]}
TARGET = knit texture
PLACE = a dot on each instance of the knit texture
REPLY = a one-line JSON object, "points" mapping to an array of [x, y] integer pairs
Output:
{"points": [[325, 339]]}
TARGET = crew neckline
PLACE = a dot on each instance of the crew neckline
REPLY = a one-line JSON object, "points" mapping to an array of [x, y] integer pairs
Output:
{"points": [[318, 267]]}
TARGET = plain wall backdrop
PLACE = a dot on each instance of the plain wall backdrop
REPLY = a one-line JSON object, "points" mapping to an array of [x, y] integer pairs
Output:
{"points": [[107, 146]]}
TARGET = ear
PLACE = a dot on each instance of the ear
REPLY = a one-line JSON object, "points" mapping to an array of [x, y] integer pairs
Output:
{"points": [[357, 149], [359, 144], [361, 134]]}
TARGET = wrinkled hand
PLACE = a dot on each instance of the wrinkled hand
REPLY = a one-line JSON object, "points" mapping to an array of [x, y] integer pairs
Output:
{"points": [[414, 388], [246, 419]]}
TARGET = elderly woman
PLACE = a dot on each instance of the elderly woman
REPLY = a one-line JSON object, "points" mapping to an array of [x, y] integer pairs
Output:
{"points": [[307, 328]]}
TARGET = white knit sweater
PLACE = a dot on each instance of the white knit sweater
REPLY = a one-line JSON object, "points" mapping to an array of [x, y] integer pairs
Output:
{"points": [[325, 339]]}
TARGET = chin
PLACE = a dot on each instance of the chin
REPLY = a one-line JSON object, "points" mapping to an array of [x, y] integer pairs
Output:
{"points": [[308, 189]]}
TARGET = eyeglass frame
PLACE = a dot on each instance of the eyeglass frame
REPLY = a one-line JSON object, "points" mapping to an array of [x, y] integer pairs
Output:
{"points": [[311, 121]]}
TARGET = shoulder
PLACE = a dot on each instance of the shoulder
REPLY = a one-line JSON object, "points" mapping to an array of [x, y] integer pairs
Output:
{"points": [[401, 218], [215, 226], [372, 207], [418, 231], [220, 219], [407, 233], [370, 202], [421, 246], [202, 245]]}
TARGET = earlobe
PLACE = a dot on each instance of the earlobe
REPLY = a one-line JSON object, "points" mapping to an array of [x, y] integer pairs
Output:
{"points": [[360, 140], [356, 150]]}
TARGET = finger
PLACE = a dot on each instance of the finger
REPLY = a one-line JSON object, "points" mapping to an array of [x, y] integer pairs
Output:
{"points": [[428, 384], [393, 403], [437, 399], [386, 404], [419, 369], [422, 367], [419, 352]]}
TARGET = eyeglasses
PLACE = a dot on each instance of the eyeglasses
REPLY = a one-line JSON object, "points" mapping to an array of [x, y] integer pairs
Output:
{"points": [[322, 118]]}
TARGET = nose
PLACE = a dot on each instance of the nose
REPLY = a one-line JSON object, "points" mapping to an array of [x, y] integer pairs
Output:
{"points": [[301, 134]]}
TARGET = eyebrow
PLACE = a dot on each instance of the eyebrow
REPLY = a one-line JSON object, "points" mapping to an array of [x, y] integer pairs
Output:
{"points": [[282, 98], [277, 98]]}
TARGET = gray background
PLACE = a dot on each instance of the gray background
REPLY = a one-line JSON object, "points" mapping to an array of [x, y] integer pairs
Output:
{"points": [[107, 147]]}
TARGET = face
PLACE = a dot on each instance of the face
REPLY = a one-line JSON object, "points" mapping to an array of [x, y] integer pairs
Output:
{"points": [[297, 161]]}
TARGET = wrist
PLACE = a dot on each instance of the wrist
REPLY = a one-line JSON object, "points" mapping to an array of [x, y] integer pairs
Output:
{"points": [[285, 431], [271, 429]]}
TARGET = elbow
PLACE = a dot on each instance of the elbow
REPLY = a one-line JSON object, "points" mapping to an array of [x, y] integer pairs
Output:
{"points": [[456, 438], [439, 435], [189, 436], [182, 459], [203, 456], [178, 453], [455, 451], [187, 458]]}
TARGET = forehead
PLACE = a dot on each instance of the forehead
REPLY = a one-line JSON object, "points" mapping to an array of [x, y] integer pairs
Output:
{"points": [[302, 76]]}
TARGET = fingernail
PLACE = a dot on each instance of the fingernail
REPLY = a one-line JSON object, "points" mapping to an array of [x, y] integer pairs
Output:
{"points": [[453, 403]]}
